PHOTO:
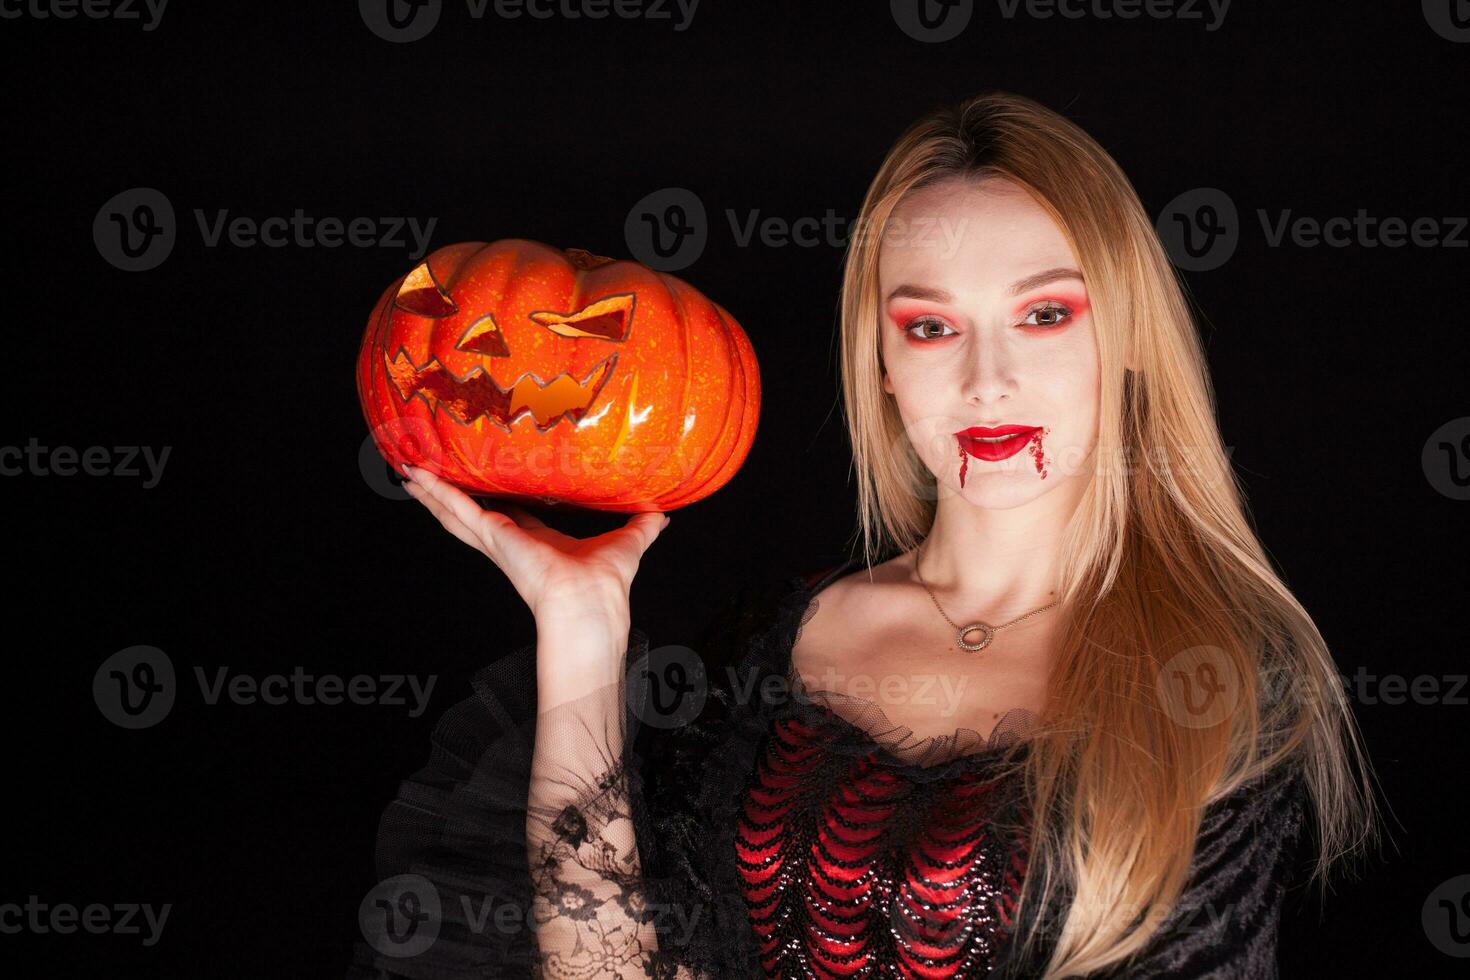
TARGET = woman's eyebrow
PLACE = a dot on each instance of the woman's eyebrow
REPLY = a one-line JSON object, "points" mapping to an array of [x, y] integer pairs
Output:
{"points": [[1042, 278], [910, 291]]}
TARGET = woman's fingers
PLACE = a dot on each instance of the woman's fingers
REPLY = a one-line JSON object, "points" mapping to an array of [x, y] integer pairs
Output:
{"points": [[454, 500], [487, 528], [522, 517], [451, 523], [484, 525], [645, 527]]}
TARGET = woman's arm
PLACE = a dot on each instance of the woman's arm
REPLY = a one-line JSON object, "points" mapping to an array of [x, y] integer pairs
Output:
{"points": [[589, 904], [590, 916]]}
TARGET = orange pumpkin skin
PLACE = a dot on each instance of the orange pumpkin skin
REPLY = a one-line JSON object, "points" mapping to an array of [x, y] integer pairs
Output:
{"points": [[515, 369]]}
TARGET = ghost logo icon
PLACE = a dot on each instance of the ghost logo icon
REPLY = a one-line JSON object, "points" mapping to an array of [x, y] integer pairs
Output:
{"points": [[1199, 687], [667, 688], [400, 916], [134, 688]]}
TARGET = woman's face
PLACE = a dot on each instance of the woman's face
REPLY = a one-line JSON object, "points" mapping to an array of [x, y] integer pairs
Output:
{"points": [[986, 325]]}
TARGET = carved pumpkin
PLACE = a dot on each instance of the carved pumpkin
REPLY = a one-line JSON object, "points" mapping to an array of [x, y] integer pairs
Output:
{"points": [[519, 370]]}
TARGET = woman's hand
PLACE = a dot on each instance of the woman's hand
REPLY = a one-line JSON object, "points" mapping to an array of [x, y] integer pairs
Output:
{"points": [[559, 577]]}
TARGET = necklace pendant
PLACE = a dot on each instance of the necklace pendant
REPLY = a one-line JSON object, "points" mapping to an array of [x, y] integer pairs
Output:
{"points": [[987, 633]]}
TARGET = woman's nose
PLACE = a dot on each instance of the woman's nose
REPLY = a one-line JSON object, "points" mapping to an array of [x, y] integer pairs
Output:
{"points": [[990, 376]]}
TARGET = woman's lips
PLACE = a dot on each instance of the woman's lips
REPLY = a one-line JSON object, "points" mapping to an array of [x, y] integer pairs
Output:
{"points": [[994, 445]]}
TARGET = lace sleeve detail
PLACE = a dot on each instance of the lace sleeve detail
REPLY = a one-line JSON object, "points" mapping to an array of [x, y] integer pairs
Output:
{"points": [[591, 911], [512, 852]]}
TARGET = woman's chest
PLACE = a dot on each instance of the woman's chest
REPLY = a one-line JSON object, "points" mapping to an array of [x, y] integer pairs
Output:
{"points": [[923, 681], [850, 864]]}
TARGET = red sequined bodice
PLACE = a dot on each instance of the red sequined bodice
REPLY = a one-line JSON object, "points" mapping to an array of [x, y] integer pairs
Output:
{"points": [[855, 865]]}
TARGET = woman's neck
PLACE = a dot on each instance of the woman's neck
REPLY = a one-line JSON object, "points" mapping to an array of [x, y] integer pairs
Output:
{"points": [[997, 564]]}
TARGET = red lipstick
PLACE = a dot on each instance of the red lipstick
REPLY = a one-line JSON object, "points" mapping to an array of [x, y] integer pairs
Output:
{"points": [[994, 445]]}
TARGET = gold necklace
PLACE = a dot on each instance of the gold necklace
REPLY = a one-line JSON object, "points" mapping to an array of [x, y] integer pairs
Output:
{"points": [[987, 632]]}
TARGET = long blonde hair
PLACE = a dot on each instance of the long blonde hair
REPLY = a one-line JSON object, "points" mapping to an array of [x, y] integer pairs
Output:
{"points": [[1159, 560]]}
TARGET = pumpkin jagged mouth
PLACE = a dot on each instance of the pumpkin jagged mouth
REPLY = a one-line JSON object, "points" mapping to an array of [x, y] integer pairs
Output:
{"points": [[477, 393]]}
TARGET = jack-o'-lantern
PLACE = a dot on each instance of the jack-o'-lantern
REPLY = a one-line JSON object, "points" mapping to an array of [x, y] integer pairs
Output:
{"points": [[515, 369]]}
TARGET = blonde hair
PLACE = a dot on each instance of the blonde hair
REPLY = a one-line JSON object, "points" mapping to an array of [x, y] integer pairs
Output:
{"points": [[1159, 558]]}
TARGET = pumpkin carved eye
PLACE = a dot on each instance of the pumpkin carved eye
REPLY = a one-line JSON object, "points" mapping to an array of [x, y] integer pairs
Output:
{"points": [[607, 318], [421, 295]]}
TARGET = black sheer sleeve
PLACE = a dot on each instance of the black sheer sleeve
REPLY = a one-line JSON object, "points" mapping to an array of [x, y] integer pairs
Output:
{"points": [[1225, 924], [612, 862], [512, 853]]}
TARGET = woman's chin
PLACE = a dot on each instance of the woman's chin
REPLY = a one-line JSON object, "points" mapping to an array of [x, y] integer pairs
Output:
{"points": [[999, 489]]}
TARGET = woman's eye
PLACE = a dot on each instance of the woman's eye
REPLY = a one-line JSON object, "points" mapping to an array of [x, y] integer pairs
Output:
{"points": [[1048, 315], [924, 323]]}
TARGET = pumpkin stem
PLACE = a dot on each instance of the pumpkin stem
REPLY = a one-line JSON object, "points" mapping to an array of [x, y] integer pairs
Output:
{"points": [[584, 260]]}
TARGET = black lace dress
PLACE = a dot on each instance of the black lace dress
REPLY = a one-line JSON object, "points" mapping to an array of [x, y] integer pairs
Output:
{"points": [[777, 832]]}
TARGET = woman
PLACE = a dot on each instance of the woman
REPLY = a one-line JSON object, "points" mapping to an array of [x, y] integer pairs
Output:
{"points": [[1074, 726]]}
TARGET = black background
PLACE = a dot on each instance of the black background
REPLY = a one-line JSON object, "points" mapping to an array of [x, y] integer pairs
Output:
{"points": [[264, 548]]}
